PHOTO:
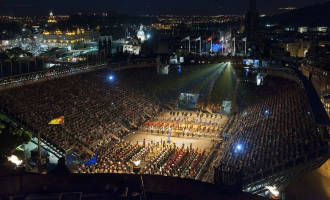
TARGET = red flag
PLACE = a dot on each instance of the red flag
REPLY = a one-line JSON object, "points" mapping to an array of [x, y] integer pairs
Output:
{"points": [[59, 120], [209, 39]]}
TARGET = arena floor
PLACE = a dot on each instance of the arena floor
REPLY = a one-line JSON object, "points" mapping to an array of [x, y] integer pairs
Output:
{"points": [[203, 143]]}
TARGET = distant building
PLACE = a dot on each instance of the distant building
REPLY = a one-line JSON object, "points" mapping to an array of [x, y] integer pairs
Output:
{"points": [[140, 34], [132, 46], [91, 36], [302, 29], [297, 47], [305, 29], [51, 18], [75, 38]]}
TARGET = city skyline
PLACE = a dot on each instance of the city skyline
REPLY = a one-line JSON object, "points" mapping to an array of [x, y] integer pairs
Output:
{"points": [[184, 7]]}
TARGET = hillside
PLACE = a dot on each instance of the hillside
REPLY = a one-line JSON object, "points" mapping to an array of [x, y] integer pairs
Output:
{"points": [[312, 16]]}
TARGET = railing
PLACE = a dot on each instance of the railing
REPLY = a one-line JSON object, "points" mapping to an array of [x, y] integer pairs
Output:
{"points": [[93, 144], [27, 127], [226, 128], [51, 73], [282, 167]]}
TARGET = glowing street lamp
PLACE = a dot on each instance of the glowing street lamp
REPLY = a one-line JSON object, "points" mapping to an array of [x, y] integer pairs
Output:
{"points": [[274, 191], [15, 160]]}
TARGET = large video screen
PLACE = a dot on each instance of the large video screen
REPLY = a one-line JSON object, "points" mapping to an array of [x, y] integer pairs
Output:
{"points": [[249, 62]]}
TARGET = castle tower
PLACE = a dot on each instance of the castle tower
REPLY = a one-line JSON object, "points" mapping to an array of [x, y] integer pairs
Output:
{"points": [[251, 24]]}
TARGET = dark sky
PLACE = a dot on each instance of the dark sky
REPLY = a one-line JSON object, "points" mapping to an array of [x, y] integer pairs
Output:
{"points": [[150, 7]]}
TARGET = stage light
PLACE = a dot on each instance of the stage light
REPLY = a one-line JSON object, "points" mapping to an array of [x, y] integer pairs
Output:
{"points": [[110, 77], [266, 111]]}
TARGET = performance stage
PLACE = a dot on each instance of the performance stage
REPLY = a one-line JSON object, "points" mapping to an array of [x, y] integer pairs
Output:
{"points": [[177, 132]]}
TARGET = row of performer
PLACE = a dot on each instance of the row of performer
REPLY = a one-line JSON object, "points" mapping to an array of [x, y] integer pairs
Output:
{"points": [[185, 132], [198, 114]]}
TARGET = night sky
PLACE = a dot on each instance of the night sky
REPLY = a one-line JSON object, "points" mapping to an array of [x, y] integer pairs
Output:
{"points": [[147, 7]]}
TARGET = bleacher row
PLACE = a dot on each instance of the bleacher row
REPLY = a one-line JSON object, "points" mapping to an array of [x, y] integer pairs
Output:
{"points": [[93, 107], [277, 128], [169, 160]]}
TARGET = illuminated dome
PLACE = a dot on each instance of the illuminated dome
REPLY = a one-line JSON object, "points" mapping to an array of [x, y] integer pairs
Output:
{"points": [[140, 34]]}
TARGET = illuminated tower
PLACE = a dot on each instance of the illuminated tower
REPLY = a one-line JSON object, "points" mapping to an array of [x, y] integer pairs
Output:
{"points": [[51, 18]]}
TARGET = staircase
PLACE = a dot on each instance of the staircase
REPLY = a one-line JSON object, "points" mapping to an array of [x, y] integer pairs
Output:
{"points": [[45, 144], [146, 114], [48, 147], [236, 88], [76, 156], [210, 91], [90, 152]]}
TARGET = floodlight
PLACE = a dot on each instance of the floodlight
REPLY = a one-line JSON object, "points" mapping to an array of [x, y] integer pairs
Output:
{"points": [[15, 160]]}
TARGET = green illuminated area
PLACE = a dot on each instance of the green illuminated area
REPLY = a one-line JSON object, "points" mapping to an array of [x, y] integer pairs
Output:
{"points": [[11, 135], [195, 79]]}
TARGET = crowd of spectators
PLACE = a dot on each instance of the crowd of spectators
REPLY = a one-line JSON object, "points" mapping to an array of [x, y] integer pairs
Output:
{"points": [[166, 159], [176, 162], [93, 106], [276, 128]]}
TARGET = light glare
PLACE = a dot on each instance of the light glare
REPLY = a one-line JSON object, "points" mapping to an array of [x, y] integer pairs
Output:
{"points": [[273, 190], [15, 160], [136, 163]]}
